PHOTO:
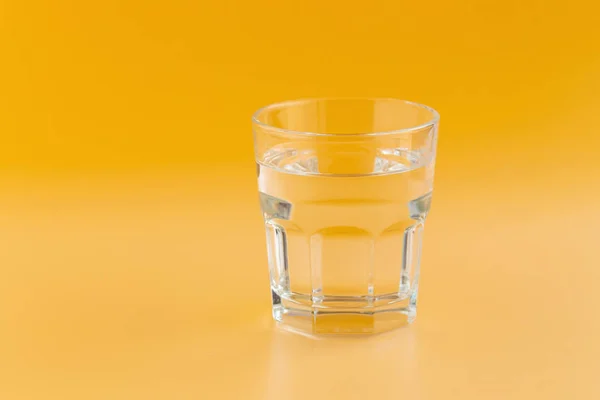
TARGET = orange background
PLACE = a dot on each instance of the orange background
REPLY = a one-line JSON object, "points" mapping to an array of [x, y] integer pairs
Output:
{"points": [[132, 260]]}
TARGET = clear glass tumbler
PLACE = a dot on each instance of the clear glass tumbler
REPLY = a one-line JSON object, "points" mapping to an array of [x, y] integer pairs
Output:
{"points": [[345, 187]]}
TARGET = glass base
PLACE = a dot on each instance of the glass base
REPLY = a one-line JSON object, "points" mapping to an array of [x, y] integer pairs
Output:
{"points": [[340, 315]]}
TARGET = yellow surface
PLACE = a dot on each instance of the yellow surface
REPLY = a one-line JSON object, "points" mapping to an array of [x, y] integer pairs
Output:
{"points": [[132, 259]]}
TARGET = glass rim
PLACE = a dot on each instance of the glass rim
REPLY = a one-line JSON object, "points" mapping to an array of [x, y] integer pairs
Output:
{"points": [[435, 117]]}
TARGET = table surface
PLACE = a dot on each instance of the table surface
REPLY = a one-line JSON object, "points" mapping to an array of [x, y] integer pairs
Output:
{"points": [[156, 287]]}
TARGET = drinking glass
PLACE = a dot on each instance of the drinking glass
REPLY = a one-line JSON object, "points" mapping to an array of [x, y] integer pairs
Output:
{"points": [[345, 186]]}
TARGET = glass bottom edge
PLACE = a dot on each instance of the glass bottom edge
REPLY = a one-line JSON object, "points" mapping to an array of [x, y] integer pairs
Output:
{"points": [[332, 322]]}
